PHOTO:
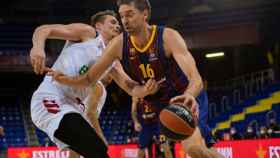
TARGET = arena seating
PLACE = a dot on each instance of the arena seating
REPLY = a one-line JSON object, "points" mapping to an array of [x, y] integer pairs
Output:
{"points": [[253, 109], [117, 125], [15, 39], [11, 120]]}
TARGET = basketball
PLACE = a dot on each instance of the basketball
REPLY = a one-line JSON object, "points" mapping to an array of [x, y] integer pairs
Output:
{"points": [[177, 122]]}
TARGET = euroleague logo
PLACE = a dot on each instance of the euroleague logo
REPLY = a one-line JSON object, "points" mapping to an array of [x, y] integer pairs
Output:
{"points": [[274, 151], [183, 112]]}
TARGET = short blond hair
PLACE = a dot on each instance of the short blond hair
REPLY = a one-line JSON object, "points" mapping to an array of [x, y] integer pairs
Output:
{"points": [[100, 16]]}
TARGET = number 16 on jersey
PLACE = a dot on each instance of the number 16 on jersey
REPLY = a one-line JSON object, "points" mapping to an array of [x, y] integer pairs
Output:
{"points": [[147, 71]]}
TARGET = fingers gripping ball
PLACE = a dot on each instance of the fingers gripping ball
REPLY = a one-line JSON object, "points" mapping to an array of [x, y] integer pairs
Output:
{"points": [[177, 122]]}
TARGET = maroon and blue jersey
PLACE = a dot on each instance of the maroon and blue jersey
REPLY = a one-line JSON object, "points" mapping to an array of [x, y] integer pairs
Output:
{"points": [[147, 113], [141, 64], [151, 62]]}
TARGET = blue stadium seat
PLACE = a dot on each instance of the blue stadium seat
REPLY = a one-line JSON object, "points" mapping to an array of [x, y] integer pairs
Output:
{"points": [[11, 120], [259, 117]]}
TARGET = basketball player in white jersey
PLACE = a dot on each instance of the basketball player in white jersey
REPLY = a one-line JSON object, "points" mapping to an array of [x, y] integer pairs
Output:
{"points": [[64, 113]]}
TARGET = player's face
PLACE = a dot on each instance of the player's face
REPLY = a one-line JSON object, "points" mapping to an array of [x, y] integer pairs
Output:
{"points": [[132, 18], [111, 26]]}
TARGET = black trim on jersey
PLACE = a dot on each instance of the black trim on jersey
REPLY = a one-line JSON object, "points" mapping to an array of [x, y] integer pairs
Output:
{"points": [[125, 51]]}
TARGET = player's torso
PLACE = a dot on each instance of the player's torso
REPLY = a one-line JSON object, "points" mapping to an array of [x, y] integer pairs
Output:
{"points": [[75, 59], [151, 62]]}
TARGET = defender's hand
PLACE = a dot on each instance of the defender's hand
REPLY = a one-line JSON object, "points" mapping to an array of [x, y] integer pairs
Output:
{"points": [[151, 86], [37, 59], [59, 77]]}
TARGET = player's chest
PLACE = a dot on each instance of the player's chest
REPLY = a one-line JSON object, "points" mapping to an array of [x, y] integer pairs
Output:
{"points": [[149, 56], [85, 61]]}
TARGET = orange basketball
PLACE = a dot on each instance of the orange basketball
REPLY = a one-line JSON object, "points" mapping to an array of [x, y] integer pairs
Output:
{"points": [[177, 122]]}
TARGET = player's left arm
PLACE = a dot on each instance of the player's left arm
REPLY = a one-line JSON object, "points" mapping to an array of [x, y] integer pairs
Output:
{"points": [[177, 48]]}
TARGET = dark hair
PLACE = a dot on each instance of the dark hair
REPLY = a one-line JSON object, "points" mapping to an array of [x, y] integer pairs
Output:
{"points": [[100, 16], [139, 4]]}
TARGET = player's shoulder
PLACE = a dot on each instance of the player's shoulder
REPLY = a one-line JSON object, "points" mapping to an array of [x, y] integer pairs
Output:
{"points": [[169, 32], [77, 47], [171, 35]]}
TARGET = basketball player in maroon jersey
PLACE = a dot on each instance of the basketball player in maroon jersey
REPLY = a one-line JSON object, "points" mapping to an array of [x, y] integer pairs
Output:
{"points": [[151, 54]]}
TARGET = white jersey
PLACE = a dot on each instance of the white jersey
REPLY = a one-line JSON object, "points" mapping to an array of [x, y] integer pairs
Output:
{"points": [[51, 101], [75, 59]]}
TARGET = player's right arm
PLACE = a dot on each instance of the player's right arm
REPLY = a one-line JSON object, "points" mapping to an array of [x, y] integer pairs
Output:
{"points": [[72, 32], [112, 52], [137, 125]]}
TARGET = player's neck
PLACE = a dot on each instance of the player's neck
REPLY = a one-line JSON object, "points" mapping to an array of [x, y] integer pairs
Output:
{"points": [[142, 36], [105, 38]]}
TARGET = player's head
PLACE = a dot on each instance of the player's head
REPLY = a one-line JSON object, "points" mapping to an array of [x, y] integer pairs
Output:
{"points": [[106, 23], [134, 14]]}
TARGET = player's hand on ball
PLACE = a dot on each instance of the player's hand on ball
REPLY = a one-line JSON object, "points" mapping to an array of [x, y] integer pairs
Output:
{"points": [[37, 59], [137, 127], [188, 100]]}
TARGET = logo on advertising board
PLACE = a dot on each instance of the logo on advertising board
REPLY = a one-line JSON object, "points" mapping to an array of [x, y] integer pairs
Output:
{"points": [[225, 151], [50, 154], [261, 152], [130, 153], [23, 154], [41, 154], [274, 151], [267, 148]]}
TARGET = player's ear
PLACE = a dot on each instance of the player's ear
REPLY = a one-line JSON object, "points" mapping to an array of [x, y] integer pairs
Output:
{"points": [[98, 26], [146, 14]]}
